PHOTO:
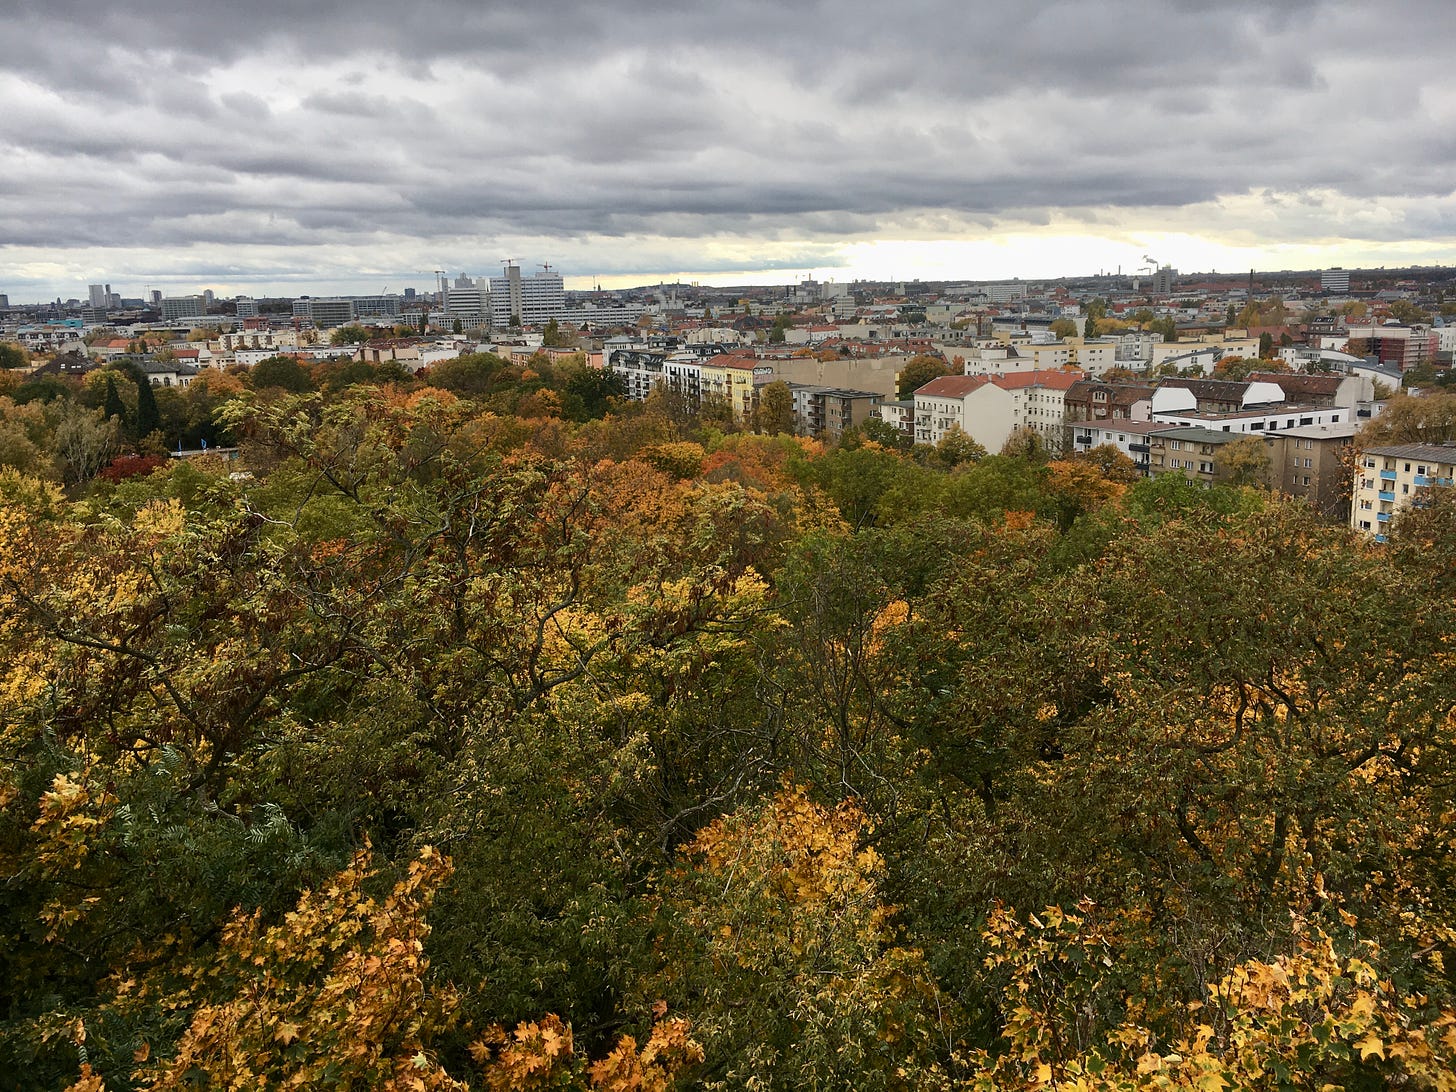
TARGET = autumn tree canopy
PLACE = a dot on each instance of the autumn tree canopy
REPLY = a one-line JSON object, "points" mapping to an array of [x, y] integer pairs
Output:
{"points": [[479, 730]]}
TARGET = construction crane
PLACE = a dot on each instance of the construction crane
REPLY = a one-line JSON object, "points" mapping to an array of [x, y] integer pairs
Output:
{"points": [[546, 266]]}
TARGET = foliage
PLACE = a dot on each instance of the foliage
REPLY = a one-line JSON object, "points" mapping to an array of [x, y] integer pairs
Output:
{"points": [[758, 763], [352, 334], [918, 371], [774, 413], [1246, 461], [281, 372]]}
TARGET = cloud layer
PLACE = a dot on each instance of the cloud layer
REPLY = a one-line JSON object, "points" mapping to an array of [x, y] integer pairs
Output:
{"points": [[275, 144]]}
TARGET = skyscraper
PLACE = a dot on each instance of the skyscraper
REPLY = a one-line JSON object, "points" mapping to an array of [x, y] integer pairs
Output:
{"points": [[530, 301], [99, 295]]}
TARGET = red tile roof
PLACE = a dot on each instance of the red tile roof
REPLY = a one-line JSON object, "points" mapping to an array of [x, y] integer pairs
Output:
{"points": [[952, 386], [1056, 378]]}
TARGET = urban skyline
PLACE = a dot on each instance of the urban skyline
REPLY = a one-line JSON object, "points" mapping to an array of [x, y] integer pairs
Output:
{"points": [[270, 151]]}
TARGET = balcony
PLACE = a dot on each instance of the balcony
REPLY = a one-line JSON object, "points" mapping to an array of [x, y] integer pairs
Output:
{"points": [[1137, 447], [1386, 495], [1387, 475], [1421, 479], [1383, 517], [1381, 538]]}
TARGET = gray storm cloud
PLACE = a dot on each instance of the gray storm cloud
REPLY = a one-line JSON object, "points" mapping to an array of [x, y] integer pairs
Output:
{"points": [[447, 128]]}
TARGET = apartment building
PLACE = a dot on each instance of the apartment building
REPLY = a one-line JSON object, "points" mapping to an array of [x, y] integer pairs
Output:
{"points": [[1312, 463], [1097, 400], [1193, 452], [1388, 479], [1132, 438], [730, 379]]}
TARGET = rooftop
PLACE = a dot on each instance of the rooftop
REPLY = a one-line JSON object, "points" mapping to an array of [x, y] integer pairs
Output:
{"points": [[1431, 453]]}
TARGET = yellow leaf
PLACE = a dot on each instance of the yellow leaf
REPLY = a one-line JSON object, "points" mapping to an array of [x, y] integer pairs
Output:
{"points": [[1370, 1045], [286, 1033]]}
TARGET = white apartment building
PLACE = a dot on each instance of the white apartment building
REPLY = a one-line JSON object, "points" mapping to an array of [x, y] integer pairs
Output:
{"points": [[530, 301]]}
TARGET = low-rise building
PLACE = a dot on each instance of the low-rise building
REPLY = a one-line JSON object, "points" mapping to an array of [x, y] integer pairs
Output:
{"points": [[1129, 437], [1192, 452]]}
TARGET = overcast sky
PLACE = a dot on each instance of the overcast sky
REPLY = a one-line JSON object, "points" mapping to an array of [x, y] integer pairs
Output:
{"points": [[282, 147]]}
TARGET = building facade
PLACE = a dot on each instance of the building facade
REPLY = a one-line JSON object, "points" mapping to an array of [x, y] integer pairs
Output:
{"points": [[1389, 479]]}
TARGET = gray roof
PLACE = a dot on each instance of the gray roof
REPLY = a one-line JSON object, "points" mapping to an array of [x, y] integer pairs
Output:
{"points": [[1432, 453]]}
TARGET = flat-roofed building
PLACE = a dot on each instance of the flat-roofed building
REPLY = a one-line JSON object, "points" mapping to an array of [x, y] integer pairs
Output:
{"points": [[1390, 478]]}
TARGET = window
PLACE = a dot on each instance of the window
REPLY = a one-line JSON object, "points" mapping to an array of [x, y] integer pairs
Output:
{"points": [[1420, 469], [1206, 468], [1405, 489], [1369, 464], [1306, 479], [1364, 525], [1366, 505], [1308, 464]]}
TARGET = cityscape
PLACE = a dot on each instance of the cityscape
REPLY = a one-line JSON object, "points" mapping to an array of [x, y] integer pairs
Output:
{"points": [[647, 548], [1150, 363]]}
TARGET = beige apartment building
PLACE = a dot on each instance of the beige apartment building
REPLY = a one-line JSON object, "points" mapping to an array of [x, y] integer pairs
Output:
{"points": [[1388, 479]]}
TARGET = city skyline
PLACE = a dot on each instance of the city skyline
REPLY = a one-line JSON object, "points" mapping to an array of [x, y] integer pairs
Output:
{"points": [[271, 151]]}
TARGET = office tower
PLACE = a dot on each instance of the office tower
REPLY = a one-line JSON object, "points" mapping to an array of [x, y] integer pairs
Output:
{"points": [[530, 301]]}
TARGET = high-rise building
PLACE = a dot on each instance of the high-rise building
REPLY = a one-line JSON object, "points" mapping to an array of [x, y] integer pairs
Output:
{"points": [[529, 301], [181, 307], [1163, 281], [466, 302], [324, 313], [4, 302], [98, 294], [155, 297], [247, 307], [1335, 280], [376, 306]]}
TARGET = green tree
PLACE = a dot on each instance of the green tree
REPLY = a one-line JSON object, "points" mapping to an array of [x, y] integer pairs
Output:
{"points": [[918, 371], [1063, 328], [470, 375], [592, 392], [352, 334], [1410, 314], [554, 337], [774, 414], [113, 407], [1246, 461], [281, 372], [955, 448], [148, 416], [11, 356]]}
